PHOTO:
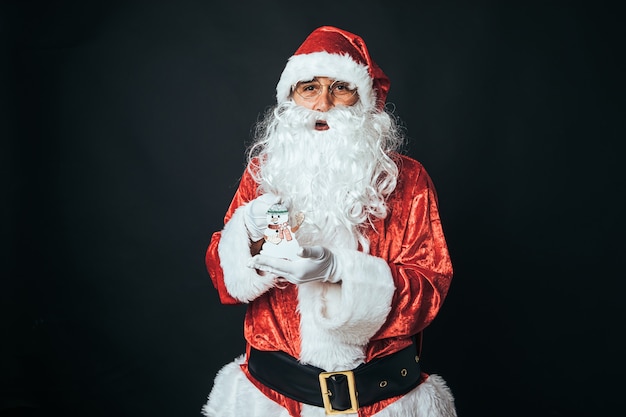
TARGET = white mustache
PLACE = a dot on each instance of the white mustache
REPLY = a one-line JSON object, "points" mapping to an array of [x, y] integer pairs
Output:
{"points": [[292, 116]]}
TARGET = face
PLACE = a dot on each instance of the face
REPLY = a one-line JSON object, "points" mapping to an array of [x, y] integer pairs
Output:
{"points": [[275, 218], [323, 93]]}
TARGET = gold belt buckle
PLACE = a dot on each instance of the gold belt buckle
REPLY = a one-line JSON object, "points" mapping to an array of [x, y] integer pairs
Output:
{"points": [[326, 394]]}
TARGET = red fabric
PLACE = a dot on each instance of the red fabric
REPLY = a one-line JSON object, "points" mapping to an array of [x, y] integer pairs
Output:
{"points": [[337, 41], [410, 239]]}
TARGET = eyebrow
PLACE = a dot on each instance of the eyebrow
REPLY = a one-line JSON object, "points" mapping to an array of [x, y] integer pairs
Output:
{"points": [[333, 80]]}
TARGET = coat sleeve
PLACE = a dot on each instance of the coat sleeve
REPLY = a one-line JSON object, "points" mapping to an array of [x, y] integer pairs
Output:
{"points": [[397, 289], [229, 251], [418, 258]]}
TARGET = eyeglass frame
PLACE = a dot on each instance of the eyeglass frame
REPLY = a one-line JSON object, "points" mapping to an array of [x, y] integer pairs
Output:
{"points": [[328, 86]]}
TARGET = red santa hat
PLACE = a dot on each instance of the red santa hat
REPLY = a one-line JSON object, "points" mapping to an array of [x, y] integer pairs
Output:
{"points": [[331, 52]]}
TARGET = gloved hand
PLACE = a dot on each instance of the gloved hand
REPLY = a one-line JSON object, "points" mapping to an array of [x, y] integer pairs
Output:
{"points": [[255, 215], [314, 263]]}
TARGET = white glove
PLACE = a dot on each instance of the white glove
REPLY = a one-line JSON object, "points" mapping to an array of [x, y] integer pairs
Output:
{"points": [[314, 263], [255, 215]]}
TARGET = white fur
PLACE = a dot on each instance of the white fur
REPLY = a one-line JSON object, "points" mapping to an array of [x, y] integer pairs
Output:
{"points": [[305, 67], [338, 320], [242, 282], [233, 395]]}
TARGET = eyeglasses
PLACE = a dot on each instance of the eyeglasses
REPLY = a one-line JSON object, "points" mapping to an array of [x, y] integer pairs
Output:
{"points": [[310, 90]]}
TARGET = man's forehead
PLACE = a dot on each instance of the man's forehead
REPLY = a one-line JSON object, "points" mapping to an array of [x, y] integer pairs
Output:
{"points": [[320, 78]]}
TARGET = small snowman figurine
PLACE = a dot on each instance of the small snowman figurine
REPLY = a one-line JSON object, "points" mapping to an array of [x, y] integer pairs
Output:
{"points": [[280, 240]]}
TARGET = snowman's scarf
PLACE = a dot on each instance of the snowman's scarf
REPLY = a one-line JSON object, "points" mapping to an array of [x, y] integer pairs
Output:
{"points": [[339, 178], [283, 230]]}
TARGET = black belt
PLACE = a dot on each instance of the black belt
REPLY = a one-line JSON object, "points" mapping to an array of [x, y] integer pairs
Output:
{"points": [[341, 391]]}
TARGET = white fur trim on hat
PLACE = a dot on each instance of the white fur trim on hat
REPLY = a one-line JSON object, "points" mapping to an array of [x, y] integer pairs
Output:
{"points": [[305, 67]]}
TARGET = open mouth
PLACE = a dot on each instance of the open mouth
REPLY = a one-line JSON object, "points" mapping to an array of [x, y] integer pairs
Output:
{"points": [[321, 125]]}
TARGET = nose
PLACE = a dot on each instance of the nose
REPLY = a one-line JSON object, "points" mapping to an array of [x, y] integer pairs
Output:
{"points": [[324, 101]]}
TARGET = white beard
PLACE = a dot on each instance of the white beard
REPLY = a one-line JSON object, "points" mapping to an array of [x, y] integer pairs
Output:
{"points": [[338, 178]]}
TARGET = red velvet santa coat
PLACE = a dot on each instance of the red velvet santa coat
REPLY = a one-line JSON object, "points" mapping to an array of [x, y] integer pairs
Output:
{"points": [[387, 296]]}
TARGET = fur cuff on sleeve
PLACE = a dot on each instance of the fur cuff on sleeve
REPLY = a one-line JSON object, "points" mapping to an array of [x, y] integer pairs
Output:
{"points": [[242, 282], [355, 309]]}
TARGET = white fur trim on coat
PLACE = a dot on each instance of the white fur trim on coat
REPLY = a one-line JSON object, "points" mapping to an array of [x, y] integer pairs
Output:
{"points": [[233, 395], [338, 320], [242, 282], [305, 67]]}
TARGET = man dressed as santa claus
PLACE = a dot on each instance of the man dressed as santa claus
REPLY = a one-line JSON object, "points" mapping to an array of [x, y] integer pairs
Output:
{"points": [[335, 329]]}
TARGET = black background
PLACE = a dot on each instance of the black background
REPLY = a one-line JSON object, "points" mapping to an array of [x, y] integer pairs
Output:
{"points": [[127, 124]]}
